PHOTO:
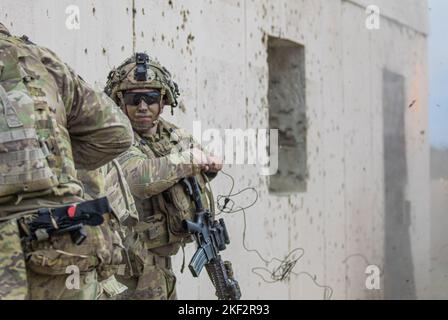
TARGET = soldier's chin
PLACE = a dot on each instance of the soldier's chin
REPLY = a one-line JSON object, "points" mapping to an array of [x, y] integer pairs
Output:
{"points": [[142, 126]]}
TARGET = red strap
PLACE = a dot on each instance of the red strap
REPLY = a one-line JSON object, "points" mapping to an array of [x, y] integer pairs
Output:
{"points": [[71, 211]]}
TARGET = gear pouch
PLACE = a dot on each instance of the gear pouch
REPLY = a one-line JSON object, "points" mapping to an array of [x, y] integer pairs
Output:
{"points": [[13, 282]]}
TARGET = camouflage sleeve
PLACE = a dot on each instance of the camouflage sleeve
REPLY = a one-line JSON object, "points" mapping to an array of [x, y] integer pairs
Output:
{"points": [[99, 131], [150, 176], [109, 181], [94, 182], [187, 139]]}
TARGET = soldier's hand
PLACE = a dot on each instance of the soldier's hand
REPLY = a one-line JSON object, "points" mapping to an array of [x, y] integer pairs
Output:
{"points": [[215, 163], [200, 158]]}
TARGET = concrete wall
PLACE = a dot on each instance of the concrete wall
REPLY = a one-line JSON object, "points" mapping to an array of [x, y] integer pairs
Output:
{"points": [[439, 223], [217, 51], [439, 245]]}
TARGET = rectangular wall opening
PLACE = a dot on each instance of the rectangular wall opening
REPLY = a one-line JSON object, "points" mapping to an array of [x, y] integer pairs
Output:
{"points": [[287, 113], [398, 266]]}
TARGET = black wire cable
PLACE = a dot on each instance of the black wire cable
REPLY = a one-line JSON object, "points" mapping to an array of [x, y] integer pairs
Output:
{"points": [[284, 267]]}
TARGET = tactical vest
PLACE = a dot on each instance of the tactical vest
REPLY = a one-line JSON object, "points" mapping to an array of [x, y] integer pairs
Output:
{"points": [[35, 151], [109, 181], [161, 216], [119, 193]]}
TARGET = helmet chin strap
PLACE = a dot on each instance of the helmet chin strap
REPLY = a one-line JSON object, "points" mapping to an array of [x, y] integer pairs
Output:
{"points": [[157, 117], [157, 120]]}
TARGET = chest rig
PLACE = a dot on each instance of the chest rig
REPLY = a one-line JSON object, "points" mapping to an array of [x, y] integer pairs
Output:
{"points": [[35, 151], [161, 216]]}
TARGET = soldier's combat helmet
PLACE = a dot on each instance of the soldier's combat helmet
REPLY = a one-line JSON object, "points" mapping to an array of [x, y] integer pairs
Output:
{"points": [[141, 72], [4, 30]]}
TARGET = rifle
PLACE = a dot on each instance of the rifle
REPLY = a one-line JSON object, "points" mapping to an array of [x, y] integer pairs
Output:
{"points": [[211, 238]]}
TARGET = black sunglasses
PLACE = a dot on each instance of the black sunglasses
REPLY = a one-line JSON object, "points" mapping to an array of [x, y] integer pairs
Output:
{"points": [[134, 98]]}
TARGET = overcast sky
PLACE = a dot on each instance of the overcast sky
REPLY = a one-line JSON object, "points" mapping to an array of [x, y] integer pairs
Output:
{"points": [[438, 66]]}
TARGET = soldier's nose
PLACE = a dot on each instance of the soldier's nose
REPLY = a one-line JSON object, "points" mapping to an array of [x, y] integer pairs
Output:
{"points": [[142, 105]]}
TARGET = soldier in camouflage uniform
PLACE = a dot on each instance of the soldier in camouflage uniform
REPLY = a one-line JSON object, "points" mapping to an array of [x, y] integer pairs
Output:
{"points": [[51, 121], [162, 155]]}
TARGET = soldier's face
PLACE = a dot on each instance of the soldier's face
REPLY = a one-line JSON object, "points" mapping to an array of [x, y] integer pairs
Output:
{"points": [[143, 107]]}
